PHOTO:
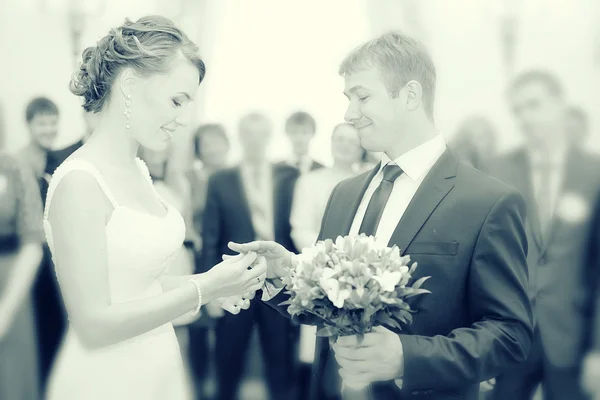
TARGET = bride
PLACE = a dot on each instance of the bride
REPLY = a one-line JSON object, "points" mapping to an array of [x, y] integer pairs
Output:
{"points": [[112, 236]]}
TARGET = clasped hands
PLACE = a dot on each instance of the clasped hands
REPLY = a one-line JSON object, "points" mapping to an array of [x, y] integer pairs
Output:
{"points": [[270, 256]]}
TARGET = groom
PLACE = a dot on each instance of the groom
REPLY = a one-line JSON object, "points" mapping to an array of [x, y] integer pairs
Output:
{"points": [[465, 230]]}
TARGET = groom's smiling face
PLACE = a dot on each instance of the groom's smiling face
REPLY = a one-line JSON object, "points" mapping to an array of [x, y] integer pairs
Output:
{"points": [[378, 116]]}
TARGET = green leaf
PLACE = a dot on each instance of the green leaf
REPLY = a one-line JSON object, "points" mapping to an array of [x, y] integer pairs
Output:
{"points": [[420, 282], [412, 269], [417, 292], [327, 331]]}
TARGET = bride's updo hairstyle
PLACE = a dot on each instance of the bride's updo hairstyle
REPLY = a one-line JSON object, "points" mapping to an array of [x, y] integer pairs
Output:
{"points": [[148, 45]]}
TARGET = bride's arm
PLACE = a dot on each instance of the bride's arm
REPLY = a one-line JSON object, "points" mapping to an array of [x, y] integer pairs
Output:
{"points": [[78, 217]]}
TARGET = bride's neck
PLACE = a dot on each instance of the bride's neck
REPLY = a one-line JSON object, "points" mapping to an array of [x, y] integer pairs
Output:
{"points": [[114, 144]]}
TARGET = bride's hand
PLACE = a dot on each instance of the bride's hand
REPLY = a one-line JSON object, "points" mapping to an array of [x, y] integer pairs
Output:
{"points": [[278, 259], [232, 305], [237, 275]]}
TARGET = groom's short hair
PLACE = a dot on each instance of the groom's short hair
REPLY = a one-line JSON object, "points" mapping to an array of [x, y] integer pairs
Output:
{"points": [[400, 59]]}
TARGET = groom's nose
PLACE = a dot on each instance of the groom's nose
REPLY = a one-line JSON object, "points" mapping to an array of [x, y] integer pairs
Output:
{"points": [[351, 114]]}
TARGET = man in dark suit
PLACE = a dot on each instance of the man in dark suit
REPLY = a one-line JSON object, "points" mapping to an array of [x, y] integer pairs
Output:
{"points": [[245, 203], [464, 229], [560, 183], [591, 366], [300, 128]]}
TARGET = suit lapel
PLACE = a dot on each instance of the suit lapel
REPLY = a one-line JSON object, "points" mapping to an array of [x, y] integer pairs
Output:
{"points": [[436, 185]]}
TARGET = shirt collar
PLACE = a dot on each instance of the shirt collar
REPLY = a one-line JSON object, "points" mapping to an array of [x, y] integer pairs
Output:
{"points": [[417, 162], [555, 159]]}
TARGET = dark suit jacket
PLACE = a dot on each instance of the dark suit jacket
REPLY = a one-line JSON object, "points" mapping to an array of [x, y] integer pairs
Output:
{"points": [[57, 157], [593, 281], [227, 214], [465, 230], [557, 266]]}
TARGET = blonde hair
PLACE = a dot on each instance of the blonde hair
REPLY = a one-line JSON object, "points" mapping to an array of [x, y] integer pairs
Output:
{"points": [[399, 59], [147, 45]]}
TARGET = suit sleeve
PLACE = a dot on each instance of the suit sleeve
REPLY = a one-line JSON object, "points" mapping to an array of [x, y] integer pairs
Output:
{"points": [[211, 227], [502, 332]]}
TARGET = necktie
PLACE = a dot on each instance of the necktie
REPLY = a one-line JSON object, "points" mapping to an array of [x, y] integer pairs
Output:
{"points": [[380, 197]]}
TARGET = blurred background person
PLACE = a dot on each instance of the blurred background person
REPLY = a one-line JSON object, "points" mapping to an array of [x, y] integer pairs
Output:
{"points": [[590, 379], [310, 200], [313, 189], [475, 142], [172, 190], [300, 129], [560, 182], [21, 238], [211, 150], [251, 201], [578, 125], [58, 156], [42, 118]]}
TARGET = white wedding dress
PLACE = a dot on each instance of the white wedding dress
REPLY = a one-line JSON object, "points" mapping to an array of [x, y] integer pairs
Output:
{"points": [[139, 249]]}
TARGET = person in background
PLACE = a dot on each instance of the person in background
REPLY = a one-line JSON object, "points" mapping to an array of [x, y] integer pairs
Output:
{"points": [[21, 239], [56, 157], [590, 376], [560, 183], [300, 129], [211, 149], [313, 189], [475, 142], [369, 160], [42, 118], [251, 201], [310, 200], [578, 125]]}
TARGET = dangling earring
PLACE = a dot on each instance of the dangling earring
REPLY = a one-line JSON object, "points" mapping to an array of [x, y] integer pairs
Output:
{"points": [[127, 111]]}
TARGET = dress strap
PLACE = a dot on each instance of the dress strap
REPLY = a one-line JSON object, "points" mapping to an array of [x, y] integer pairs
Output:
{"points": [[77, 165], [146, 172]]}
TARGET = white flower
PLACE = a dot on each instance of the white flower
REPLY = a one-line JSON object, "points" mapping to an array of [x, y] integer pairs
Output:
{"points": [[330, 272], [332, 289], [388, 280]]}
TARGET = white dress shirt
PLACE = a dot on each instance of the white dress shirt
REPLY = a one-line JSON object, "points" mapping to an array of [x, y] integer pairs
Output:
{"points": [[555, 167], [310, 199], [258, 186], [415, 163]]}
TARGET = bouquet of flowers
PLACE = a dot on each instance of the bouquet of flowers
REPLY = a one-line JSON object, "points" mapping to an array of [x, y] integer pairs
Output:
{"points": [[351, 285]]}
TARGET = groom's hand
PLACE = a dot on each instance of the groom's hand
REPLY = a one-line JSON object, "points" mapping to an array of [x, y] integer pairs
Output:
{"points": [[379, 357], [279, 260]]}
